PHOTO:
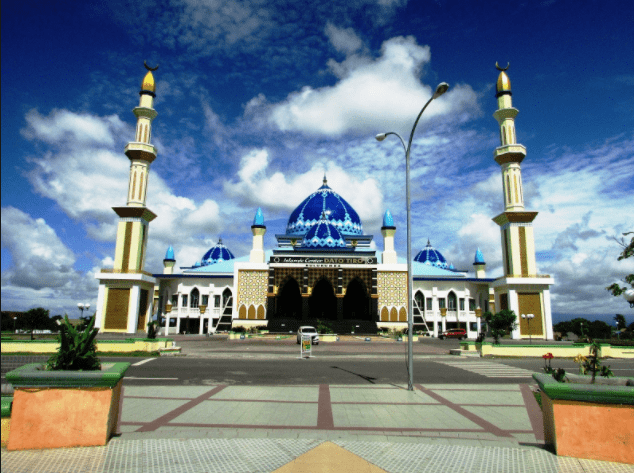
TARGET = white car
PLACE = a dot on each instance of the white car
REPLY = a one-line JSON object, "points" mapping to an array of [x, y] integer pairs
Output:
{"points": [[307, 330]]}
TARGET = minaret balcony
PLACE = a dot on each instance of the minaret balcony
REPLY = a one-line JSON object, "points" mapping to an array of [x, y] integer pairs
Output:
{"points": [[505, 113], [145, 112], [141, 151], [512, 153]]}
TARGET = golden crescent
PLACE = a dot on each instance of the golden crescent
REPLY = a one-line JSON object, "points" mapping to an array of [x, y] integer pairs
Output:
{"points": [[497, 66], [154, 68]]}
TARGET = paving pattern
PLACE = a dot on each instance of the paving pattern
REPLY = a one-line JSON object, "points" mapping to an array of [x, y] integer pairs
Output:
{"points": [[250, 455], [489, 369]]}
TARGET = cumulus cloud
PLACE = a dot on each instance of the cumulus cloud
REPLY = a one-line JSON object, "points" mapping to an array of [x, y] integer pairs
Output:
{"points": [[258, 186], [370, 94], [87, 178]]}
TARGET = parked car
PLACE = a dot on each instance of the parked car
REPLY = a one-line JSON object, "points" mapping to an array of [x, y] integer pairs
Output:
{"points": [[307, 330], [458, 333]]}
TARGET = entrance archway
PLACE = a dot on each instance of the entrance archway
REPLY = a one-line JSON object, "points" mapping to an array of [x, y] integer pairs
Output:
{"points": [[356, 303], [289, 300], [322, 303]]}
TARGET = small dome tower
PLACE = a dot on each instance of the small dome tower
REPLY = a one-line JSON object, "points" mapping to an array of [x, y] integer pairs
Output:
{"points": [[388, 230], [169, 261], [258, 229]]}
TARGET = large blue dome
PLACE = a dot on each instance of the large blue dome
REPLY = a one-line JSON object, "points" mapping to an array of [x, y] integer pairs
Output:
{"points": [[217, 253], [339, 213], [323, 235], [429, 255]]}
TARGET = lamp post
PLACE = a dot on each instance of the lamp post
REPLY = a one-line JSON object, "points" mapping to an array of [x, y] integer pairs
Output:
{"points": [[528, 318], [441, 89], [82, 307]]}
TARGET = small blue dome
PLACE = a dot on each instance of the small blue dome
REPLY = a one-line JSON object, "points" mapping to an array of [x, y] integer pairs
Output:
{"points": [[217, 253], [388, 221], [339, 213], [323, 235], [452, 267], [170, 253], [479, 259], [196, 264], [259, 218], [431, 256]]}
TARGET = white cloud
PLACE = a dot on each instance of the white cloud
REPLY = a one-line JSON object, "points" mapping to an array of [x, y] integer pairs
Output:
{"points": [[87, 179], [371, 94], [276, 191], [344, 40], [39, 258]]}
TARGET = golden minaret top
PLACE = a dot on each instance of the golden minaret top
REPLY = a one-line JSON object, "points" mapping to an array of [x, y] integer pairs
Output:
{"points": [[504, 83]]}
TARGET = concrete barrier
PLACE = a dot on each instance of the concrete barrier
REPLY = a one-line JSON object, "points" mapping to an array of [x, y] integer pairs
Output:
{"points": [[539, 350]]}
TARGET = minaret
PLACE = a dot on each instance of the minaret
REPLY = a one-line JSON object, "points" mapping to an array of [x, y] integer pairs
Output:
{"points": [[480, 265], [388, 230], [169, 261], [126, 292], [259, 229], [518, 248]]}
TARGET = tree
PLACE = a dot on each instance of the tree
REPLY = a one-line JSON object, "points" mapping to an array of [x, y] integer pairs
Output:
{"points": [[620, 321], [35, 319], [628, 251], [500, 323]]}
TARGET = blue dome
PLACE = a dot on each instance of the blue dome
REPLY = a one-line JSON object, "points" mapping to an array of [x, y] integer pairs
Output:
{"points": [[323, 235], [339, 213], [431, 256], [217, 253], [259, 218], [170, 253], [388, 220], [479, 259]]}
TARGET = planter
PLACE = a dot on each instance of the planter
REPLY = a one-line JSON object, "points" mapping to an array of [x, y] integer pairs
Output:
{"points": [[56, 409], [583, 420]]}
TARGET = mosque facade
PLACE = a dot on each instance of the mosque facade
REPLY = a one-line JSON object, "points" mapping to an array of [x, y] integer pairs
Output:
{"points": [[324, 267]]}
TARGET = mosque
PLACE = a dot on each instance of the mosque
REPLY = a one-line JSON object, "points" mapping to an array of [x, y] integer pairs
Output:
{"points": [[323, 267]]}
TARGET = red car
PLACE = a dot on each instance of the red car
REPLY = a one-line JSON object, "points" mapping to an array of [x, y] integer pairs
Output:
{"points": [[458, 333]]}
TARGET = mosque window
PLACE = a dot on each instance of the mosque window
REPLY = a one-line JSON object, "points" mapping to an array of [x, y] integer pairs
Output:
{"points": [[175, 300], [429, 303], [419, 301], [205, 299], [216, 301], [442, 303], [472, 305], [195, 296], [226, 298], [184, 300], [461, 304], [452, 299]]}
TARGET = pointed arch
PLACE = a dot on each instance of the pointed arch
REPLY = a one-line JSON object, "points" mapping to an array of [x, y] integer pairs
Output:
{"points": [[251, 313], [402, 315], [322, 302], [419, 302], [356, 302], [393, 314], [289, 299], [194, 298], [452, 300], [227, 298], [242, 313], [261, 312], [385, 314]]}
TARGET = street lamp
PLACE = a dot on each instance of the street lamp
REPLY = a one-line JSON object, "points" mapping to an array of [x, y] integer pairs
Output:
{"points": [[528, 318], [83, 307], [441, 89]]}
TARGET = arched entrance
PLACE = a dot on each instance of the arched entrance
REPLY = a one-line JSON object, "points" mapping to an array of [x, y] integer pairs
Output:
{"points": [[322, 303], [289, 300], [356, 302]]}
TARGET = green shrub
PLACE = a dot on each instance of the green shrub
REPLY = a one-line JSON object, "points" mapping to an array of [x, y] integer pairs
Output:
{"points": [[77, 350]]}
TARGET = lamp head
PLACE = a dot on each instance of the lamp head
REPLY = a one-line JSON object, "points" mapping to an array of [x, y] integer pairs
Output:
{"points": [[441, 89], [87, 306], [80, 306], [380, 136]]}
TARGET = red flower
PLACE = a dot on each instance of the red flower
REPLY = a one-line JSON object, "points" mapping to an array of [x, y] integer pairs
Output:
{"points": [[548, 356]]}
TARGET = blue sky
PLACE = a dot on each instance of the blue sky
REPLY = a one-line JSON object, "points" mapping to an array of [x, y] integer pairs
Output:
{"points": [[257, 99]]}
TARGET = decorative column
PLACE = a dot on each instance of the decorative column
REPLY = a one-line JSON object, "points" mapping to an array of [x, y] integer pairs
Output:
{"points": [[258, 229]]}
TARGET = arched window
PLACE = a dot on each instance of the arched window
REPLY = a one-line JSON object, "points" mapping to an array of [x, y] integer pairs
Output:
{"points": [[251, 313], [242, 313], [194, 298], [385, 314], [402, 315], [419, 302], [227, 299], [393, 315], [503, 135], [261, 312], [452, 301]]}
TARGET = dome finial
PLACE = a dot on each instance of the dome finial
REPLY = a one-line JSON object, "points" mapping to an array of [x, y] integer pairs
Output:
{"points": [[325, 180], [428, 243], [148, 84], [503, 85], [259, 217], [220, 240], [388, 220], [169, 255]]}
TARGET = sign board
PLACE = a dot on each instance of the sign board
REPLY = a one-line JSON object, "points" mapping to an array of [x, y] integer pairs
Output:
{"points": [[330, 261], [307, 344]]}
